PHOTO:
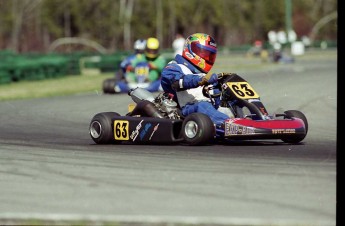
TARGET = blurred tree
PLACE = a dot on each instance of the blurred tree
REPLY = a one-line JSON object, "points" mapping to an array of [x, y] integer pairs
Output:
{"points": [[32, 25]]}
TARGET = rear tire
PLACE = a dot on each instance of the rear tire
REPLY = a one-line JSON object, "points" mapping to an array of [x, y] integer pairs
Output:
{"points": [[197, 129], [101, 128], [297, 138]]}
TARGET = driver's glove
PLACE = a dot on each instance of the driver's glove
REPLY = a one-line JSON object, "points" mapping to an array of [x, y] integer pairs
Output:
{"points": [[208, 79], [129, 68], [152, 66]]}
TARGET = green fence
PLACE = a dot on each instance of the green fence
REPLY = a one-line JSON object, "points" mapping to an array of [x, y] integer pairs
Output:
{"points": [[35, 66], [19, 67], [111, 62]]}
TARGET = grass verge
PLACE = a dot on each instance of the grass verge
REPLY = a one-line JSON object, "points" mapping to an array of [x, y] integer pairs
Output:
{"points": [[53, 87]]}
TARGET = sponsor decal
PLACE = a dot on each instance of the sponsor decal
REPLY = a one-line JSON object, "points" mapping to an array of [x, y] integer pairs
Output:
{"points": [[213, 44], [201, 64], [190, 56], [154, 130], [283, 131], [232, 120], [201, 37], [135, 132], [144, 131], [224, 86], [234, 129]]}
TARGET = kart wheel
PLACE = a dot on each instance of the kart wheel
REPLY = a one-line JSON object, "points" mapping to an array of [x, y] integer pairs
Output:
{"points": [[197, 129], [102, 129], [108, 85], [297, 138]]}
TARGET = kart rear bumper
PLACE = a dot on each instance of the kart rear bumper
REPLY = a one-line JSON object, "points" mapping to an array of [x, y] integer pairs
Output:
{"points": [[262, 129]]}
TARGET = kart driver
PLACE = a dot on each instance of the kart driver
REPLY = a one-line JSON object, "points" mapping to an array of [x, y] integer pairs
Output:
{"points": [[156, 64], [186, 74], [139, 48]]}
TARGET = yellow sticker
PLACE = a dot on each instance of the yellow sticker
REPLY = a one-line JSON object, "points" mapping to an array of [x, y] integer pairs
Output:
{"points": [[121, 128], [131, 107], [242, 90], [142, 71]]}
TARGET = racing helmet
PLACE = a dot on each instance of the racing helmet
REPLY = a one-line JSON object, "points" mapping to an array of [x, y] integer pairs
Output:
{"points": [[139, 46], [200, 50], [152, 48]]}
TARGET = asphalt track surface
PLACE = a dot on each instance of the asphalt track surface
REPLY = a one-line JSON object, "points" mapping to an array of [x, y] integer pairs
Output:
{"points": [[51, 170]]}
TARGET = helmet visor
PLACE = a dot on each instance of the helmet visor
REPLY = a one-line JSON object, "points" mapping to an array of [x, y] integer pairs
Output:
{"points": [[207, 53], [152, 53]]}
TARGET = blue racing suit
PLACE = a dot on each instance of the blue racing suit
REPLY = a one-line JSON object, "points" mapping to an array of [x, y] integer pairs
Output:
{"points": [[126, 62], [181, 78]]}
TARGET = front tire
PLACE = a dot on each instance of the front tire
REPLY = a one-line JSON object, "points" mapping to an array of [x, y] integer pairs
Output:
{"points": [[297, 138], [109, 85], [197, 129], [101, 128]]}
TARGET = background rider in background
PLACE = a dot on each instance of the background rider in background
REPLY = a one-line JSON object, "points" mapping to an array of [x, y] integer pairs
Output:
{"points": [[155, 61], [139, 48], [186, 75]]}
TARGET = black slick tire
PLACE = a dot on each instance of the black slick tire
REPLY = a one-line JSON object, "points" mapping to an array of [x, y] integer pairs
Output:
{"points": [[197, 129], [101, 128]]}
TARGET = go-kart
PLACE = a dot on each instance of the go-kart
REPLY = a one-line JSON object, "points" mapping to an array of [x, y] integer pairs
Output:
{"points": [[119, 84], [158, 120]]}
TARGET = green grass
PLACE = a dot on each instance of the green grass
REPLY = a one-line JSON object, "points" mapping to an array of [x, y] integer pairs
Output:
{"points": [[53, 87]]}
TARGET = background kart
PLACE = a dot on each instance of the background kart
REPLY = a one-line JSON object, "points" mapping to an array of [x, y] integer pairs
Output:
{"points": [[159, 120]]}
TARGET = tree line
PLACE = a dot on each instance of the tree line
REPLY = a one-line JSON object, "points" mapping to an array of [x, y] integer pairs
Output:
{"points": [[33, 25]]}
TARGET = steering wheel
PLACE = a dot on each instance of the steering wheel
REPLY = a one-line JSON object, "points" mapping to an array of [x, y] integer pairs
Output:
{"points": [[206, 89]]}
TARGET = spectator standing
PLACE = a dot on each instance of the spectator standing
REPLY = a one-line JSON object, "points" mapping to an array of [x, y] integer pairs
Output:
{"points": [[178, 44]]}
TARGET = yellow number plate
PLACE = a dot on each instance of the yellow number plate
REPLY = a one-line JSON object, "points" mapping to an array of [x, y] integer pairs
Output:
{"points": [[242, 90], [121, 128], [142, 71]]}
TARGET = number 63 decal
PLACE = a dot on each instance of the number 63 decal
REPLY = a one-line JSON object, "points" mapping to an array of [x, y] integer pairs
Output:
{"points": [[242, 90], [121, 128]]}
